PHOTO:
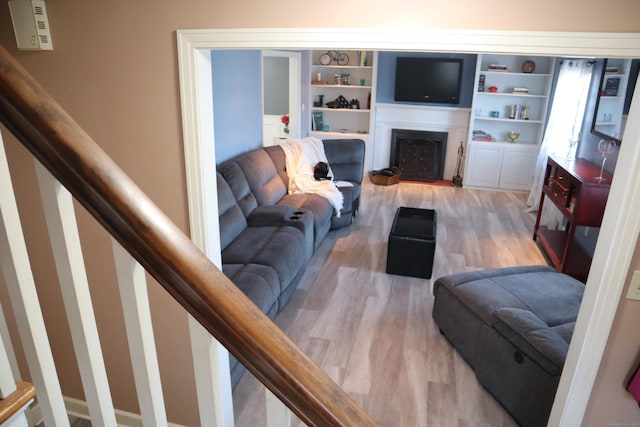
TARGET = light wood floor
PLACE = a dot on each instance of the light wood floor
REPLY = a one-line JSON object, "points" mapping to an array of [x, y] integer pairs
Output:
{"points": [[373, 333]]}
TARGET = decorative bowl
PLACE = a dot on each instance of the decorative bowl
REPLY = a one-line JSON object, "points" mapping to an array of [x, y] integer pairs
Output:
{"points": [[513, 136]]}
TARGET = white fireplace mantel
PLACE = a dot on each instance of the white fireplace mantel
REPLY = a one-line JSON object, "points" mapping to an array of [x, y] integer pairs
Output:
{"points": [[454, 121]]}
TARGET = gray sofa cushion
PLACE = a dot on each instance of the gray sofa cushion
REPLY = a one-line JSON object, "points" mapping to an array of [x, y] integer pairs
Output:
{"points": [[231, 219], [347, 161], [346, 157], [282, 248], [280, 215], [519, 287], [263, 178], [276, 153], [237, 182], [318, 206], [533, 337], [258, 282]]}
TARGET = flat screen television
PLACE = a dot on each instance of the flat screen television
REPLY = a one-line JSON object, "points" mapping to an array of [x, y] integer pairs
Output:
{"points": [[432, 80]]}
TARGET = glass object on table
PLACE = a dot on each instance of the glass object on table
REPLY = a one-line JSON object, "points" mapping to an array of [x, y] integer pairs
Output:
{"points": [[605, 147], [573, 145]]}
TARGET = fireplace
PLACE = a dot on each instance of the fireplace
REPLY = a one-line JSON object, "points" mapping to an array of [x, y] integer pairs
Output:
{"points": [[419, 155]]}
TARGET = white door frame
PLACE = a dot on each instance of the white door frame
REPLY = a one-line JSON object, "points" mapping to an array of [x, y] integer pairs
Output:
{"points": [[619, 231], [295, 99]]}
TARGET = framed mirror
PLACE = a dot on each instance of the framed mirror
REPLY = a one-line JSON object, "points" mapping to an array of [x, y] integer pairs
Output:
{"points": [[617, 82]]}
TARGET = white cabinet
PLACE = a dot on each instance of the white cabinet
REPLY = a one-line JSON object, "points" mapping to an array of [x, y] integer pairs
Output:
{"points": [[518, 164], [484, 162], [613, 88], [355, 82], [498, 165], [507, 98]]}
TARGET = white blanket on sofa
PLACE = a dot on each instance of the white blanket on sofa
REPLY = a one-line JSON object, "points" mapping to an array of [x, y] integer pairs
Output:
{"points": [[301, 156]]}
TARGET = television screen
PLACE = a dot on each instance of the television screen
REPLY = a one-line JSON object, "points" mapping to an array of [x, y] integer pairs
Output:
{"points": [[433, 80]]}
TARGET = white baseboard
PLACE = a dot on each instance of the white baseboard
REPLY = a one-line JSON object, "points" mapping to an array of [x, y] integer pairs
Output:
{"points": [[79, 408]]}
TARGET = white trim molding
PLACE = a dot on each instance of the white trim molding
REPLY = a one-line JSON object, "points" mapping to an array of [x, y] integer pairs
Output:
{"points": [[620, 229], [80, 409]]}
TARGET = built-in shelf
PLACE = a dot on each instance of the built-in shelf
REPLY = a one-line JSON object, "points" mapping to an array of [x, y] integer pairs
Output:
{"points": [[359, 87], [342, 110], [497, 162]]}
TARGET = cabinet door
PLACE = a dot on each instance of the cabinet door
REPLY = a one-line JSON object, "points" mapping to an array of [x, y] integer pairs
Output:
{"points": [[483, 165], [517, 168]]}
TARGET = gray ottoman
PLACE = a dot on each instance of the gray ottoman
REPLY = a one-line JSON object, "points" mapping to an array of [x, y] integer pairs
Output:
{"points": [[513, 326]]}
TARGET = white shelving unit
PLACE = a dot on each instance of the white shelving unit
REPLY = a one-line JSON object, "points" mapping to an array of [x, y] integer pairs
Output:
{"points": [[609, 119], [343, 122], [500, 163]]}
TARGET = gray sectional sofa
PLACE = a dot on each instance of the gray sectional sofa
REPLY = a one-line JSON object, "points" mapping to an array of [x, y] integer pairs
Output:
{"points": [[268, 236], [513, 326]]}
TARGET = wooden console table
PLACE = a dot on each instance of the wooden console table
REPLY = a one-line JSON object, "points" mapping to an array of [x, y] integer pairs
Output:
{"points": [[571, 187]]}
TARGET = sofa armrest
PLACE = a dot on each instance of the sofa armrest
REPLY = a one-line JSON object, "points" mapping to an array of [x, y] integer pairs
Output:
{"points": [[526, 331], [281, 216], [270, 215]]}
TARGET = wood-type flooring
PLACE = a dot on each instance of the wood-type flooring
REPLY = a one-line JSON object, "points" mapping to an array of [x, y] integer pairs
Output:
{"points": [[373, 333]]}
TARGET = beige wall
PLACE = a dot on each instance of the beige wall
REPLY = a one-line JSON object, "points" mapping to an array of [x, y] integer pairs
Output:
{"points": [[610, 404], [114, 69]]}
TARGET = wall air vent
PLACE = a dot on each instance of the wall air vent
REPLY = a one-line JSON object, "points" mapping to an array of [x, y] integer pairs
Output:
{"points": [[30, 24]]}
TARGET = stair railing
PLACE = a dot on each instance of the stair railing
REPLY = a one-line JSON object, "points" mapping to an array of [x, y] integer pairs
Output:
{"points": [[158, 246]]}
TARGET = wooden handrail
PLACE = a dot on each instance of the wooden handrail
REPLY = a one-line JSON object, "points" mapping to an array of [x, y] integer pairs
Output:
{"points": [[16, 401], [70, 154]]}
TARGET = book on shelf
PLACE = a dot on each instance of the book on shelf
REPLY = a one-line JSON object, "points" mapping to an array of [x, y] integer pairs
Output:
{"points": [[319, 83], [519, 112], [481, 81], [362, 58], [520, 91], [611, 70], [480, 135], [497, 67], [317, 121], [611, 87]]}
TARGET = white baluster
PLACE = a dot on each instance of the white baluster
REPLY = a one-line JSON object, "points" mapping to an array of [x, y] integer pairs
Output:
{"points": [[16, 269], [8, 345], [137, 317], [65, 243], [213, 379], [7, 380], [278, 415], [8, 386]]}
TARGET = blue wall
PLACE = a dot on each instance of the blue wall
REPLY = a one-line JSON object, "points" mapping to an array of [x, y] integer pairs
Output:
{"points": [[387, 77], [237, 100], [237, 94]]}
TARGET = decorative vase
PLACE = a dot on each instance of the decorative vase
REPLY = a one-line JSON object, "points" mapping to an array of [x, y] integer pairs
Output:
{"points": [[528, 66]]}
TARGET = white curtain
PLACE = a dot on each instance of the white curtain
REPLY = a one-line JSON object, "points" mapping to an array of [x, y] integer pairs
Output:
{"points": [[563, 126]]}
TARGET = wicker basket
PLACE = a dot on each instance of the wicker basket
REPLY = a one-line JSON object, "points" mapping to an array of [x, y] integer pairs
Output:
{"points": [[380, 179]]}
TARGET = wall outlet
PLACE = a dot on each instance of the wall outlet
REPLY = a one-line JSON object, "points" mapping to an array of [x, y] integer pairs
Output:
{"points": [[634, 287]]}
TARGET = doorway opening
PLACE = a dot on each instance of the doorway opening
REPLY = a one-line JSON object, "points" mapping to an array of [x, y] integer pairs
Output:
{"points": [[280, 96]]}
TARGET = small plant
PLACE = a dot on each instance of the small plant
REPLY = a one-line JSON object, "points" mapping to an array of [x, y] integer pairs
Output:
{"points": [[285, 121]]}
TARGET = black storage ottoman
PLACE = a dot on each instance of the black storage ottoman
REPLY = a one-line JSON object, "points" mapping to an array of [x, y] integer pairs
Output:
{"points": [[412, 242]]}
